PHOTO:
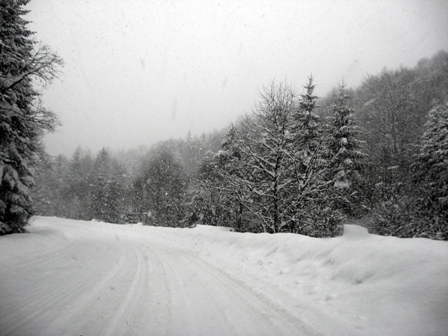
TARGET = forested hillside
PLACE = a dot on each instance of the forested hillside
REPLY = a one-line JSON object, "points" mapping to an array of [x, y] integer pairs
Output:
{"points": [[109, 184], [376, 154]]}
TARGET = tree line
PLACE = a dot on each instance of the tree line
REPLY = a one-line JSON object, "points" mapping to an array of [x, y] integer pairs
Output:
{"points": [[376, 154], [109, 185]]}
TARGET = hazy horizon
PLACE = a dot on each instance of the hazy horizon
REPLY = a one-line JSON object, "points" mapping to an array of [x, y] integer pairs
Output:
{"points": [[138, 72]]}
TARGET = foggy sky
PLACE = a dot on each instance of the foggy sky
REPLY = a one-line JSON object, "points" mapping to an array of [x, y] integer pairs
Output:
{"points": [[141, 71]]}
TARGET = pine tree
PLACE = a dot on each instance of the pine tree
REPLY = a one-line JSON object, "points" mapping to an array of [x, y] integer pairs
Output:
{"points": [[22, 119], [311, 209], [345, 155]]}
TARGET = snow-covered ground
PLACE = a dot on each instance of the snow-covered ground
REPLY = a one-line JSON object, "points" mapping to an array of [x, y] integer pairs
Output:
{"points": [[86, 278]]}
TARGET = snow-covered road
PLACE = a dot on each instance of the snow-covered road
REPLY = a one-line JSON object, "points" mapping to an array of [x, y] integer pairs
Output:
{"points": [[76, 278], [101, 282]]}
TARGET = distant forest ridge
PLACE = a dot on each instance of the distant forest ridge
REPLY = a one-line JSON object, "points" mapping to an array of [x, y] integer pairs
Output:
{"points": [[369, 154]]}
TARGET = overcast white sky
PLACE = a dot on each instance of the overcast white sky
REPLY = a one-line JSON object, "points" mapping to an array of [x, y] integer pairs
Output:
{"points": [[140, 71]]}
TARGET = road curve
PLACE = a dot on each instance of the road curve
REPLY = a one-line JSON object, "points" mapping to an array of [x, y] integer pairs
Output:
{"points": [[107, 283]]}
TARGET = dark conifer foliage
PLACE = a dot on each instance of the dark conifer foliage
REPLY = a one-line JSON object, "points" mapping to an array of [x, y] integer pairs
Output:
{"points": [[23, 120], [312, 207], [347, 158]]}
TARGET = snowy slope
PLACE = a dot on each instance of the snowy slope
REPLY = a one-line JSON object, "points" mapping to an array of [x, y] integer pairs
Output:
{"points": [[72, 277]]}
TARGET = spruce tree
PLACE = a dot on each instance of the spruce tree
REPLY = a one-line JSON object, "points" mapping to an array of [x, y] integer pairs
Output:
{"points": [[22, 119], [311, 209], [345, 155]]}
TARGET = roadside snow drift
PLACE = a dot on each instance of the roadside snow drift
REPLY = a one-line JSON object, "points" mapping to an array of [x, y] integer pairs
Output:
{"points": [[86, 278]]}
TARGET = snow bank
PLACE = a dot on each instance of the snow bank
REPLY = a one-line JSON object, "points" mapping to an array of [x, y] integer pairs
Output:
{"points": [[365, 284]]}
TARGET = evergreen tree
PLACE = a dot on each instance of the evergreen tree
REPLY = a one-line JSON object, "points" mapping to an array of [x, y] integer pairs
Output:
{"points": [[22, 119], [311, 209], [345, 156]]}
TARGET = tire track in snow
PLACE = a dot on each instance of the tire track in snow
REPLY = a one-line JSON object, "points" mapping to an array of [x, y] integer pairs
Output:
{"points": [[52, 292], [198, 304], [208, 301], [96, 284], [159, 293], [131, 293], [277, 316]]}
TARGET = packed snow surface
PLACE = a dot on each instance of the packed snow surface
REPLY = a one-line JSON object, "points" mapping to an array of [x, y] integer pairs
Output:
{"points": [[71, 277]]}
